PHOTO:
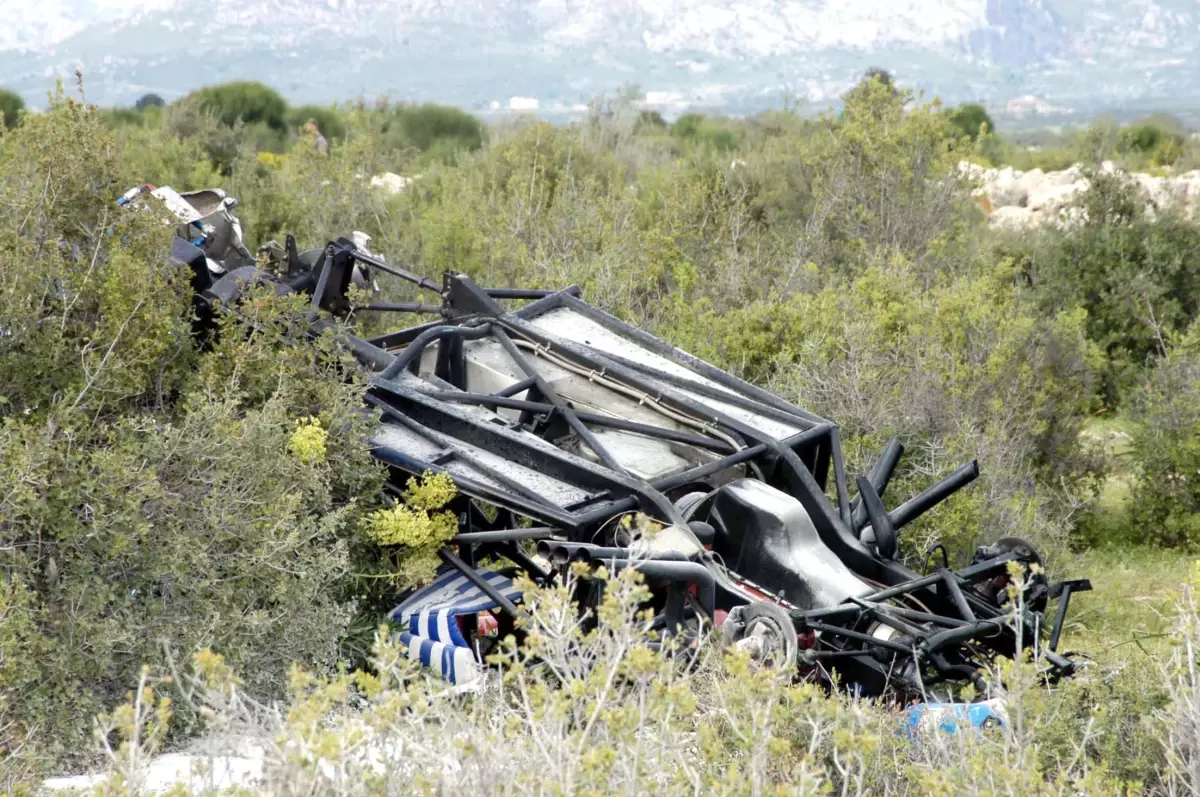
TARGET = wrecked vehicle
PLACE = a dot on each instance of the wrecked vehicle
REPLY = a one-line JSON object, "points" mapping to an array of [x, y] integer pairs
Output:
{"points": [[558, 421]]}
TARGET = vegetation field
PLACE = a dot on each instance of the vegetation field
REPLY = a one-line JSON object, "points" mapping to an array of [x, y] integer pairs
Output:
{"points": [[194, 543]]}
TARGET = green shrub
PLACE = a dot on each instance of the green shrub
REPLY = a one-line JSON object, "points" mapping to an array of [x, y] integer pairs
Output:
{"points": [[1143, 138], [428, 126], [150, 498], [971, 120], [244, 101], [1165, 502], [329, 120], [1136, 277], [149, 101], [702, 131], [11, 106]]}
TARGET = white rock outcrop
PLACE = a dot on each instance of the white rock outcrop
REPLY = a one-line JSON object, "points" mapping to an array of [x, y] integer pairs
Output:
{"points": [[393, 183], [1021, 200]]}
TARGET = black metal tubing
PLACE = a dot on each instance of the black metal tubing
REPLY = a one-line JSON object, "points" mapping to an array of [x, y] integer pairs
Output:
{"points": [[540, 510], [507, 606], [561, 552], [512, 551], [403, 307], [413, 350], [967, 574], [364, 351], [404, 337], [388, 268], [660, 347], [745, 455], [956, 595], [326, 266], [518, 293], [544, 387], [687, 572], [452, 452], [504, 535], [444, 418], [839, 477], [515, 388], [925, 617], [952, 635], [880, 476], [708, 469], [596, 419], [857, 636], [919, 504], [1064, 599]]}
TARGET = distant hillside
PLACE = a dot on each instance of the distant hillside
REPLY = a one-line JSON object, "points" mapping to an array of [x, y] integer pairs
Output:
{"points": [[1055, 59]]}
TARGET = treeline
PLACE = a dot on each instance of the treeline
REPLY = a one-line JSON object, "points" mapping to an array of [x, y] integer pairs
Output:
{"points": [[155, 497]]}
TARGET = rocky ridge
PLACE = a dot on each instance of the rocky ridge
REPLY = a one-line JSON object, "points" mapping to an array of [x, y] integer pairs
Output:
{"points": [[1014, 199]]}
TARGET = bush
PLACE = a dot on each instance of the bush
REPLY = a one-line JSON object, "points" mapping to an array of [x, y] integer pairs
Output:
{"points": [[244, 101], [971, 120], [149, 101], [705, 132], [1165, 503], [1136, 277], [329, 120], [601, 712], [1143, 138], [11, 106], [151, 500], [428, 127]]}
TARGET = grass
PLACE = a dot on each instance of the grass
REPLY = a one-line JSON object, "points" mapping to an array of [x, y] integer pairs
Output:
{"points": [[1129, 607], [1109, 521]]}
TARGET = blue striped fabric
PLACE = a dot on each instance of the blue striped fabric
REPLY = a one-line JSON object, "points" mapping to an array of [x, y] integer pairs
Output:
{"points": [[429, 622]]}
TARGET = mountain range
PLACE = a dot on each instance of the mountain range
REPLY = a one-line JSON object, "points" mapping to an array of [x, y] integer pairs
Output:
{"points": [[1021, 58]]}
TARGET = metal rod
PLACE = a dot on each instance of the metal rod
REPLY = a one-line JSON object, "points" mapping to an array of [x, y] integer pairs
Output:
{"points": [[880, 476], [562, 552], [516, 387], [572, 419], [403, 307], [858, 637], [951, 635], [387, 268], [956, 595], [1060, 617], [966, 574], [688, 572], [514, 552], [925, 617], [593, 418], [504, 535], [918, 505], [507, 606], [476, 463], [708, 469], [326, 264], [839, 477], [518, 293], [539, 508], [413, 350]]}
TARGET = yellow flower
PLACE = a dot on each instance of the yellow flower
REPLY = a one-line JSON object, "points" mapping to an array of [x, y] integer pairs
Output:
{"points": [[307, 443]]}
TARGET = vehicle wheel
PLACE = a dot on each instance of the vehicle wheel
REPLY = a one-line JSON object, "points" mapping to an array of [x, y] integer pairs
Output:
{"points": [[767, 634]]}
